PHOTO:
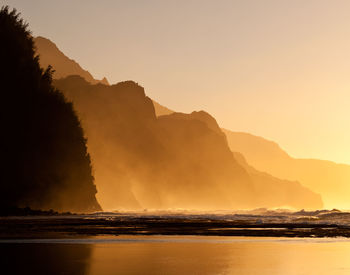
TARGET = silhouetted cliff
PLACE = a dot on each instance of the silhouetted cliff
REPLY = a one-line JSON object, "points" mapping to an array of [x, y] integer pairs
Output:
{"points": [[327, 178], [142, 161], [44, 159], [63, 66], [111, 110], [285, 192], [268, 191], [173, 161], [324, 177]]}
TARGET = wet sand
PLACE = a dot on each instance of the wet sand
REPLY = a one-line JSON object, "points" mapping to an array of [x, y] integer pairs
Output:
{"points": [[203, 255], [106, 244]]}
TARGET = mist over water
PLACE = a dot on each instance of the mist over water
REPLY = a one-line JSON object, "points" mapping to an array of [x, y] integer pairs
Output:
{"points": [[257, 216]]}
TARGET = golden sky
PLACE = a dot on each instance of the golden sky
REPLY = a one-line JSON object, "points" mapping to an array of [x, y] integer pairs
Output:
{"points": [[277, 69]]}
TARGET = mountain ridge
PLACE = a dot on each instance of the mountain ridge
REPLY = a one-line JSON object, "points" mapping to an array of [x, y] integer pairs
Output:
{"points": [[170, 161], [63, 66], [328, 178], [163, 132]]}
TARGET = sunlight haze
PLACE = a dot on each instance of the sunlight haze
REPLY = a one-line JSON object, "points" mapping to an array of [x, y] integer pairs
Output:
{"points": [[277, 69]]}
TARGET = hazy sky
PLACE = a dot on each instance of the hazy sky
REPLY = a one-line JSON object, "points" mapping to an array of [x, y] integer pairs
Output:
{"points": [[278, 69]]}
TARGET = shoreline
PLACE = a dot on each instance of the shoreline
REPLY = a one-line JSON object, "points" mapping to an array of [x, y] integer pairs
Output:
{"points": [[124, 239], [73, 226]]}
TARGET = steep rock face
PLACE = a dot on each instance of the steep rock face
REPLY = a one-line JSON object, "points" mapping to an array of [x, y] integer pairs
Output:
{"points": [[116, 119], [324, 177], [327, 178], [142, 161], [201, 161], [63, 66], [266, 190], [249, 145], [44, 159], [274, 191], [262, 151], [173, 161]]}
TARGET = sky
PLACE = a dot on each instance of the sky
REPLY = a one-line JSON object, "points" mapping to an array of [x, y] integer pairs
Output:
{"points": [[277, 69]]}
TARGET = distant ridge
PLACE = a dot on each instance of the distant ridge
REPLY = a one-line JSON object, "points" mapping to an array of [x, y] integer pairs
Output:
{"points": [[284, 190], [63, 66], [256, 146], [171, 161], [330, 179], [189, 141]]}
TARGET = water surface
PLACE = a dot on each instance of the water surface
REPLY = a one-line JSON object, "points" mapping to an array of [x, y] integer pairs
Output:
{"points": [[176, 255]]}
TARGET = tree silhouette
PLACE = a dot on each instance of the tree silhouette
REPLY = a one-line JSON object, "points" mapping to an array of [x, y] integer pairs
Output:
{"points": [[44, 159]]}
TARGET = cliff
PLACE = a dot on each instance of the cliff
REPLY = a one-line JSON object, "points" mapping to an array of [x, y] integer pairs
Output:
{"points": [[44, 159], [171, 161]]}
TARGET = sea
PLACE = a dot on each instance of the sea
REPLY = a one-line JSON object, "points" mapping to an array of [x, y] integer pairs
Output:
{"points": [[159, 254]]}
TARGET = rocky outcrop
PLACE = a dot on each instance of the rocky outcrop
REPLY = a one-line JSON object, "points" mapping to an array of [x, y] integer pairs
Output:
{"points": [[171, 161]]}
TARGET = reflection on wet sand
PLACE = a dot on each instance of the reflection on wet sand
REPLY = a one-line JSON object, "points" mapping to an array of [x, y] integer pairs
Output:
{"points": [[177, 255], [45, 258], [222, 256]]}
